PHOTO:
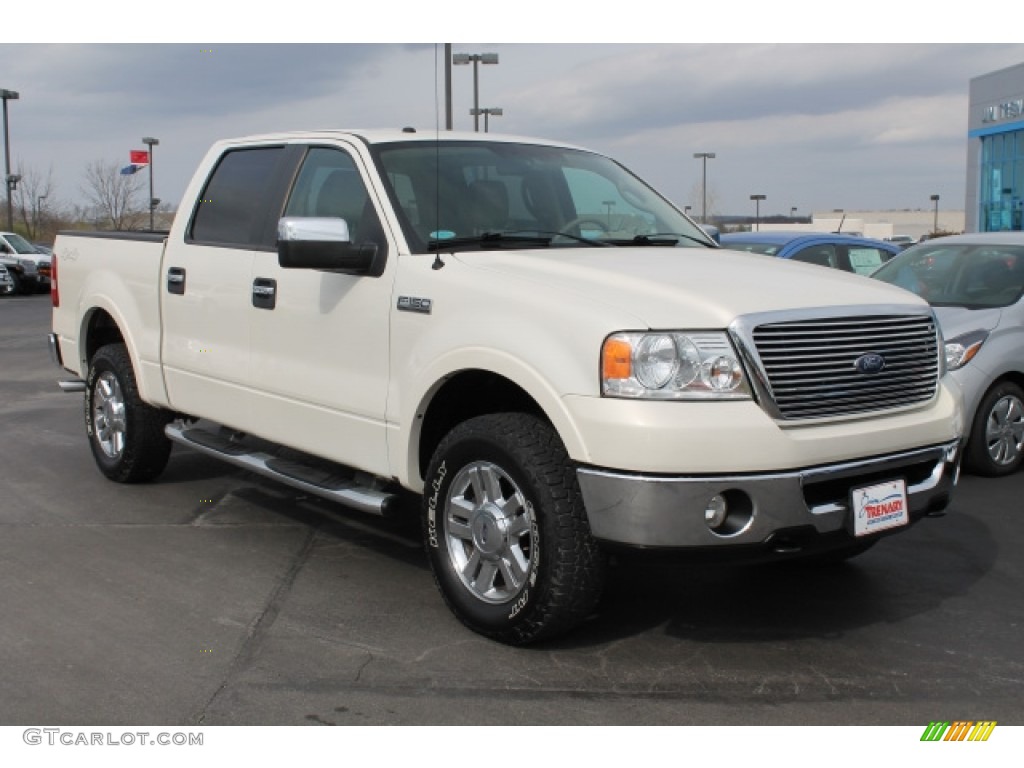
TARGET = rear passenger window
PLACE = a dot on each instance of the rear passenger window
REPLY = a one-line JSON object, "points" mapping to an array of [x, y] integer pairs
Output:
{"points": [[230, 209], [864, 261]]}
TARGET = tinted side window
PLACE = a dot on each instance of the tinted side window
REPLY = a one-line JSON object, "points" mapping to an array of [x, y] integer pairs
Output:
{"points": [[329, 185], [229, 210], [822, 255]]}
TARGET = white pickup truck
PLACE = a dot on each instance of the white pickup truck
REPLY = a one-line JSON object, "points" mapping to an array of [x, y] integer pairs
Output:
{"points": [[548, 353]]}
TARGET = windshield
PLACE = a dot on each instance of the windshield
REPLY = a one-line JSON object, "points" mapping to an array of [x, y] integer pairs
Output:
{"points": [[959, 275], [475, 194], [20, 244]]}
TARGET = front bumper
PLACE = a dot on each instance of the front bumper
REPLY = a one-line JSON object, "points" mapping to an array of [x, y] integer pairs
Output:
{"points": [[779, 511]]}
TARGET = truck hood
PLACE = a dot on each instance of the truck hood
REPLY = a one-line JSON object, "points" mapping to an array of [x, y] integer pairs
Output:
{"points": [[685, 287]]}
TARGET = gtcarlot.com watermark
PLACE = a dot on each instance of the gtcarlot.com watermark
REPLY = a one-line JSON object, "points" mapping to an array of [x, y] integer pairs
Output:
{"points": [[62, 737]]}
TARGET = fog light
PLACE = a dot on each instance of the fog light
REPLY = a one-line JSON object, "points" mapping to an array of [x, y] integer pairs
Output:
{"points": [[715, 512], [729, 512]]}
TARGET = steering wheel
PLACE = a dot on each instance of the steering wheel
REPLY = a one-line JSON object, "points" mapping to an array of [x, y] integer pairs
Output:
{"points": [[578, 223]]}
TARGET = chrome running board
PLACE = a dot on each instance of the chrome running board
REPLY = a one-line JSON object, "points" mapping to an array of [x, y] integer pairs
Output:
{"points": [[328, 481]]}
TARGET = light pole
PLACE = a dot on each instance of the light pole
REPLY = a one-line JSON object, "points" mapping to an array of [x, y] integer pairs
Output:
{"points": [[687, 209], [935, 226], [757, 210], [447, 86], [475, 59], [39, 214], [9, 180], [608, 204], [704, 156], [150, 142], [487, 112]]}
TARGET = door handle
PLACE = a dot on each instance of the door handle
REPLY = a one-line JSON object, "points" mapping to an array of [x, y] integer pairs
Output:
{"points": [[176, 280], [264, 293]]}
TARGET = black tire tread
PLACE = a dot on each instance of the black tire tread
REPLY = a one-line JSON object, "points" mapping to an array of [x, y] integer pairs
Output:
{"points": [[147, 448], [579, 569]]}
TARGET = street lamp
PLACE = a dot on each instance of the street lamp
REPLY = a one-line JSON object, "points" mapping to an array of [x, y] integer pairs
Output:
{"points": [[150, 142], [475, 59], [757, 210], [935, 226], [608, 204], [7, 95], [39, 213], [486, 112], [687, 209], [704, 156]]}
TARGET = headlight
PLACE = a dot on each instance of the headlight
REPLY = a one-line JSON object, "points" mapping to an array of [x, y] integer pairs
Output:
{"points": [[672, 365], [961, 350]]}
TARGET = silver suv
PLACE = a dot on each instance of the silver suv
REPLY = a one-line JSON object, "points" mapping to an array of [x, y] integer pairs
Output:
{"points": [[975, 282]]}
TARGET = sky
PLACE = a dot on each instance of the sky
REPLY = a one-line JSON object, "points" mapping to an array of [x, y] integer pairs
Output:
{"points": [[811, 125]]}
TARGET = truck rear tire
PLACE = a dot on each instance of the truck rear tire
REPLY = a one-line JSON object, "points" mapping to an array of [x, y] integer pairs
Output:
{"points": [[126, 435], [506, 531]]}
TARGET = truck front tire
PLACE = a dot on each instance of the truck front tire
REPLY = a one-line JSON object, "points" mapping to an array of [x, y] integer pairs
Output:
{"points": [[506, 532], [126, 435]]}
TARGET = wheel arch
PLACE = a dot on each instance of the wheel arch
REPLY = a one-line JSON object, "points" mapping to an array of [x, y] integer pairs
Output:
{"points": [[472, 392], [1011, 376], [99, 328], [103, 323]]}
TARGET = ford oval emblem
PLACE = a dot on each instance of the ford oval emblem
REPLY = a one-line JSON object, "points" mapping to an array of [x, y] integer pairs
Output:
{"points": [[870, 363]]}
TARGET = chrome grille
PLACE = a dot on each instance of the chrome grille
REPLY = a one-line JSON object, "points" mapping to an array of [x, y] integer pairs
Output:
{"points": [[810, 366]]}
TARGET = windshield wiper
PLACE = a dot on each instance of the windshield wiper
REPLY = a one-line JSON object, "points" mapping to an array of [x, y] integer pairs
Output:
{"points": [[664, 239], [511, 239]]}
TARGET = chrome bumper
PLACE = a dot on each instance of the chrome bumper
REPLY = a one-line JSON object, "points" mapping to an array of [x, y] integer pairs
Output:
{"points": [[659, 511]]}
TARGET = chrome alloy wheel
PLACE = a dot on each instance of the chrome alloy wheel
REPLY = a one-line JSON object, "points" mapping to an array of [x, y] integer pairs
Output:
{"points": [[108, 415], [1004, 430], [490, 532]]}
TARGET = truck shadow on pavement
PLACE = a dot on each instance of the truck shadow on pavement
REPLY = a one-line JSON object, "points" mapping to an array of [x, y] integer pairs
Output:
{"points": [[901, 577]]}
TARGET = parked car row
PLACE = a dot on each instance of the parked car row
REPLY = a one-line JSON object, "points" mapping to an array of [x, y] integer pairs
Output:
{"points": [[27, 265], [846, 252]]}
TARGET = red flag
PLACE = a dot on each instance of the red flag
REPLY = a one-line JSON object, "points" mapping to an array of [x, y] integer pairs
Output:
{"points": [[139, 157]]}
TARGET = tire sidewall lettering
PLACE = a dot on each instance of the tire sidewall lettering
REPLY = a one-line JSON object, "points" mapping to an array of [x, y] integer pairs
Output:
{"points": [[434, 491], [531, 579], [435, 504], [90, 393]]}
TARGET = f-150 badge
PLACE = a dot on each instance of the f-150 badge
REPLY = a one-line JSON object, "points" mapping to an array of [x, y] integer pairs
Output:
{"points": [[415, 304]]}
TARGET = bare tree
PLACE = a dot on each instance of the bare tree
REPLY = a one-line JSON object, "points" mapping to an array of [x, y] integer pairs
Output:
{"points": [[697, 195], [114, 195], [34, 195]]}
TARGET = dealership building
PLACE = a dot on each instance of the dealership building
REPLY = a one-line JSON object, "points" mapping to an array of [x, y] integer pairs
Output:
{"points": [[995, 154]]}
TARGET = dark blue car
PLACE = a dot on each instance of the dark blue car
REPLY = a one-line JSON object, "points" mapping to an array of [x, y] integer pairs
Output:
{"points": [[861, 255]]}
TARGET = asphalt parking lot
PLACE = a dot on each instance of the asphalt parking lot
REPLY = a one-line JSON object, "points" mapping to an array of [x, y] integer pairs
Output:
{"points": [[213, 597]]}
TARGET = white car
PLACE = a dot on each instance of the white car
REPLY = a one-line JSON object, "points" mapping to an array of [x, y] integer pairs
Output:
{"points": [[36, 275], [975, 283], [6, 283]]}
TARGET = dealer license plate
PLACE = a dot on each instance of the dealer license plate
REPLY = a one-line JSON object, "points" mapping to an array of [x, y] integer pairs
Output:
{"points": [[879, 507]]}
